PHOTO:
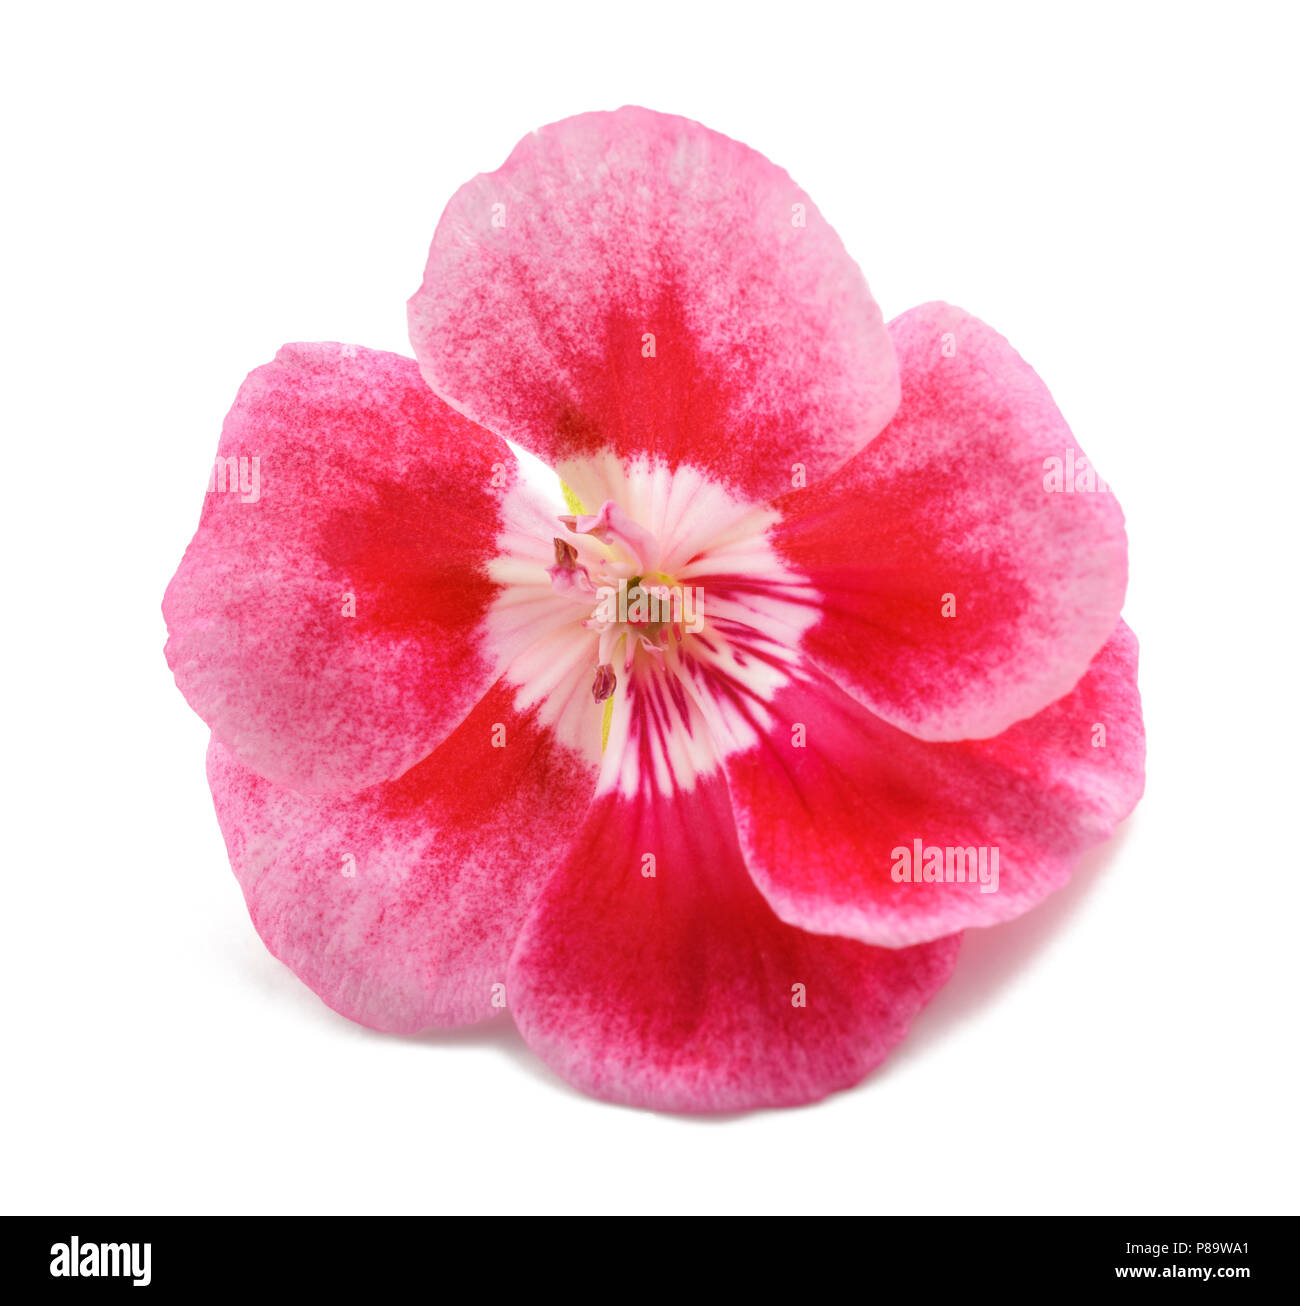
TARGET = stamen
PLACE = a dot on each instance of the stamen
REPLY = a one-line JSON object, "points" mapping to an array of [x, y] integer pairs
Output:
{"points": [[567, 577], [634, 600], [604, 683]]}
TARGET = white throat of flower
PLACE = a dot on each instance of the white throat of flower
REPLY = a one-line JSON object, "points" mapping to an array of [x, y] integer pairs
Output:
{"points": [[641, 610]]}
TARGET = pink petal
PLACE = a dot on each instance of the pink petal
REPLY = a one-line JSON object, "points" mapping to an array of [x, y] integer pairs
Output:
{"points": [[329, 628], [821, 822], [399, 906], [680, 991], [959, 595], [547, 279]]}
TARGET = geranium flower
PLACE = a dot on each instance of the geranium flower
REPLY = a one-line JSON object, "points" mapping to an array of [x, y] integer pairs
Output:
{"points": [[681, 777]]}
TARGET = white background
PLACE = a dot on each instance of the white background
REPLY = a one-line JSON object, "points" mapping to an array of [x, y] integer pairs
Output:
{"points": [[1112, 187]]}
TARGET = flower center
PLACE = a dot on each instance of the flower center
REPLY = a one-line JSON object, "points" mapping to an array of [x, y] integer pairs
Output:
{"points": [[632, 604]]}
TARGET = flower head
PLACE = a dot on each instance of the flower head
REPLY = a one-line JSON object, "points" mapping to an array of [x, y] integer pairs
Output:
{"points": [[702, 778]]}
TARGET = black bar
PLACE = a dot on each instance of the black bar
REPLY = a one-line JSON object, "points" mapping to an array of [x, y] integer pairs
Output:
{"points": [[1127, 1254]]}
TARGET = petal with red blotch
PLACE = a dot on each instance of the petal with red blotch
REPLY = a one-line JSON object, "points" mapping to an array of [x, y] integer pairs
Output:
{"points": [[681, 990], [831, 795], [959, 594], [399, 906], [327, 618], [632, 282]]}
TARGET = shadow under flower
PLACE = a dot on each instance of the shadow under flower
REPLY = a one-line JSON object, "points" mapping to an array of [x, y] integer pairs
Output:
{"points": [[991, 956], [990, 959]]}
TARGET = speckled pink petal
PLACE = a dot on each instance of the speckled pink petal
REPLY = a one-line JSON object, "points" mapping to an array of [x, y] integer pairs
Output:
{"points": [[961, 592], [681, 990], [399, 906], [326, 620], [634, 283], [835, 805]]}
